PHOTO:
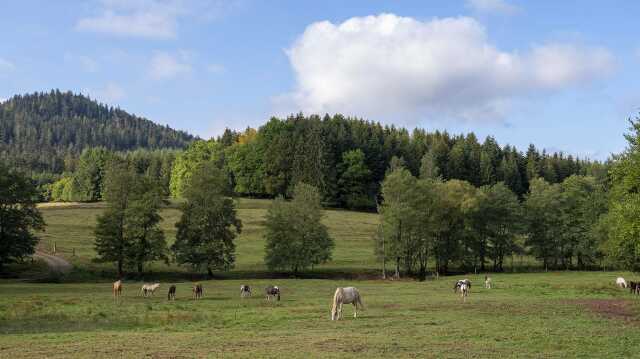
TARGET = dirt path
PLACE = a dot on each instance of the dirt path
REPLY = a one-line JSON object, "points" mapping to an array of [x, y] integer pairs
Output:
{"points": [[55, 263]]}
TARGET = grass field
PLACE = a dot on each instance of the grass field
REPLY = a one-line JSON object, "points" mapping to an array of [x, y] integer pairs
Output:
{"points": [[550, 315]]}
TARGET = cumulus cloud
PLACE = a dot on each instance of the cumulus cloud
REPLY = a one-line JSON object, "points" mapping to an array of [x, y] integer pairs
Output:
{"points": [[166, 66], [383, 65], [492, 7], [153, 19], [6, 66]]}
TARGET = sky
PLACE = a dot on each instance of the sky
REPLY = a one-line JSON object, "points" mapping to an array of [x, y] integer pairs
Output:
{"points": [[563, 75]]}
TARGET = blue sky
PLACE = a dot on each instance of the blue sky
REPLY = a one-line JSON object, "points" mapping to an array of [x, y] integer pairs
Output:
{"points": [[560, 74]]}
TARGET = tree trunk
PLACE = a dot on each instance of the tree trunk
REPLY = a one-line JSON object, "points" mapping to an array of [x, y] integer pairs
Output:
{"points": [[209, 272], [120, 268], [482, 256], [140, 268]]}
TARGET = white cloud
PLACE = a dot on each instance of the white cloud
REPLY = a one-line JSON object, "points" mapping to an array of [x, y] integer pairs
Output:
{"points": [[6, 66], [492, 7], [153, 19], [111, 93], [167, 66], [384, 65], [558, 64]]}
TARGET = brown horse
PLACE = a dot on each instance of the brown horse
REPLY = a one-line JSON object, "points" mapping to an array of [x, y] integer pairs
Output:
{"points": [[117, 289], [198, 291], [172, 293]]}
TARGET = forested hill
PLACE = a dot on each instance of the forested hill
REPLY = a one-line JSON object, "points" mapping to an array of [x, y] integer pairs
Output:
{"points": [[38, 131]]}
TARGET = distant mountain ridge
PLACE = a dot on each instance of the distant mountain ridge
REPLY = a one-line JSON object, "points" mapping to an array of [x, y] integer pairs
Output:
{"points": [[38, 131]]}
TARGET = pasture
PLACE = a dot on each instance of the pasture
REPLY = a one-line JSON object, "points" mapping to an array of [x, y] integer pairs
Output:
{"points": [[524, 315], [556, 315], [70, 226]]}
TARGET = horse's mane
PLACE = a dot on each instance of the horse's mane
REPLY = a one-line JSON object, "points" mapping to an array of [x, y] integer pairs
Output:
{"points": [[336, 297]]}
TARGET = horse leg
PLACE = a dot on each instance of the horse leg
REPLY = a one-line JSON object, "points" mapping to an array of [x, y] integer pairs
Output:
{"points": [[355, 310]]}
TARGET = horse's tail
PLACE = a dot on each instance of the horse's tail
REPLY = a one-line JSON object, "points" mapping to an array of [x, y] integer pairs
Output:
{"points": [[359, 300]]}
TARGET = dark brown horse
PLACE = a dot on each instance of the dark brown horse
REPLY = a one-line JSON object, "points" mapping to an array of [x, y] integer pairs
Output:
{"points": [[172, 293], [245, 291]]}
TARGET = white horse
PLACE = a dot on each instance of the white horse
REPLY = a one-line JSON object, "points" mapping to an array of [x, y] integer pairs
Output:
{"points": [[148, 289], [345, 296], [487, 282], [620, 282]]}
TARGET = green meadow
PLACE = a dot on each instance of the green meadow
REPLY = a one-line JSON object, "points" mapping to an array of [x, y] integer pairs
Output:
{"points": [[526, 315]]}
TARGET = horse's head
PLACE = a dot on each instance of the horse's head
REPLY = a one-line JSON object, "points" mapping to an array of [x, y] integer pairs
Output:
{"points": [[334, 311]]}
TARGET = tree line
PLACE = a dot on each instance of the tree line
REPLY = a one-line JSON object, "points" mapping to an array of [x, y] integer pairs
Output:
{"points": [[86, 180], [454, 223], [128, 232], [62, 139], [347, 159]]}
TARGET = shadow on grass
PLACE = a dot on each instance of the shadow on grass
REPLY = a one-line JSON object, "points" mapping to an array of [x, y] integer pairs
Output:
{"points": [[83, 275]]}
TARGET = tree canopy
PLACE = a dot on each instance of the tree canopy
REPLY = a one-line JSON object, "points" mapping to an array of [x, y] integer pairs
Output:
{"points": [[209, 224], [296, 238], [19, 217]]}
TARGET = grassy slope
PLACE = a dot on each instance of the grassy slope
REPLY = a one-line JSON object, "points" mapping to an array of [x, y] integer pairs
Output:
{"points": [[71, 226]]}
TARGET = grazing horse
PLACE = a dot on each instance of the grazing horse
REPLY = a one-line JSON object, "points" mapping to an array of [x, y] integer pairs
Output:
{"points": [[459, 283], [272, 291], [464, 290], [172, 293], [245, 291], [198, 291], [487, 282], [345, 296], [148, 289], [117, 289], [634, 287], [620, 282]]}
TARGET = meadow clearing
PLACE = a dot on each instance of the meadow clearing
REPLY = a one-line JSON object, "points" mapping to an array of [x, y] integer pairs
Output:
{"points": [[525, 315]]}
